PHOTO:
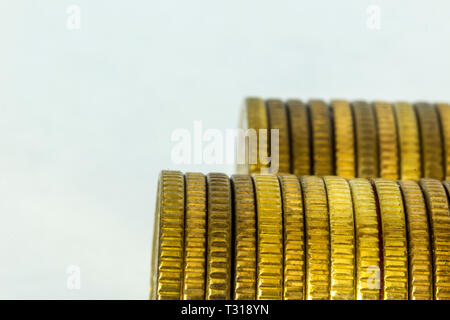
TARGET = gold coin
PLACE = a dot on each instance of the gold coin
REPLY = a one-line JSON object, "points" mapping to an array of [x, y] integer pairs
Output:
{"points": [[318, 238], [444, 113], [409, 146], [342, 239], [280, 152], [322, 138], [395, 251], [194, 237], [269, 237], [439, 217], [430, 141], [367, 234], [218, 284], [253, 155], [343, 138], [244, 238], [366, 140], [294, 239], [300, 134], [167, 258], [387, 140], [420, 271]]}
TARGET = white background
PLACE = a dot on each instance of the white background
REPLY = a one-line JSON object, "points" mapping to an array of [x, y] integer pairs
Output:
{"points": [[86, 115]]}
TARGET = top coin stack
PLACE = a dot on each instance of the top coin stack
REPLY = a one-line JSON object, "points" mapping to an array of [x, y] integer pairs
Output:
{"points": [[348, 139]]}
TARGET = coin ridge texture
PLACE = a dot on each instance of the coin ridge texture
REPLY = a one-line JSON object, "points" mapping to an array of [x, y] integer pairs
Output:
{"points": [[367, 230], [269, 237], [342, 239], [419, 250], [317, 238], [218, 274], [300, 137], [322, 138], [168, 244], [387, 140], [194, 237], [294, 240], [395, 252], [431, 144], [438, 210], [409, 145], [444, 116], [343, 139], [366, 140], [245, 238], [280, 151], [254, 120]]}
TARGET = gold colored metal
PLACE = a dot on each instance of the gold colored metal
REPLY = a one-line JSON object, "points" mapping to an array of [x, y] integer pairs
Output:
{"points": [[367, 236], [276, 111], [387, 140], [300, 135], [395, 251], [409, 145], [431, 143], [254, 120], [294, 239], [218, 278], [245, 238], [342, 238], [343, 138], [194, 237], [318, 238], [322, 138], [444, 113], [420, 270], [168, 236], [438, 212], [366, 140], [269, 237]]}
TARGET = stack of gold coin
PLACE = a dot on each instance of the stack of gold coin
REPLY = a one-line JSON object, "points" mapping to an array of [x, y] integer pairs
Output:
{"points": [[280, 237], [348, 139]]}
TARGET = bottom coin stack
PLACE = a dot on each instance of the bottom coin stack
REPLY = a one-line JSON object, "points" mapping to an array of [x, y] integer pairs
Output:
{"points": [[265, 236]]}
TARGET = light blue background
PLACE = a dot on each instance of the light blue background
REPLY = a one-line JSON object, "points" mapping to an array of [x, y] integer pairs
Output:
{"points": [[86, 116]]}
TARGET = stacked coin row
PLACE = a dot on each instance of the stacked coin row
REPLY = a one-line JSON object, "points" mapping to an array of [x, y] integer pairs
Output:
{"points": [[264, 236], [359, 139]]}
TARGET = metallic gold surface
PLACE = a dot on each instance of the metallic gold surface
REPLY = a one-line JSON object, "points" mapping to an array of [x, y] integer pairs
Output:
{"points": [[300, 135], [343, 138], [367, 231], [245, 238], [438, 211], [218, 274], [269, 237], [409, 143], [194, 237], [254, 121], [444, 115], [342, 238], [395, 251], [431, 143], [276, 111], [167, 259], [317, 238], [322, 138], [294, 239], [419, 250], [366, 140], [387, 140]]}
